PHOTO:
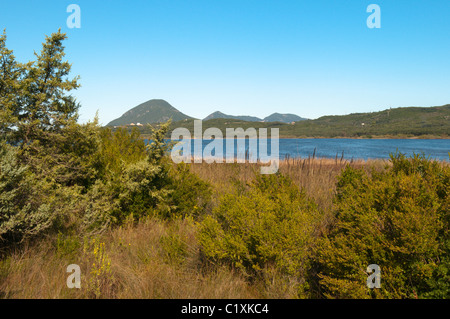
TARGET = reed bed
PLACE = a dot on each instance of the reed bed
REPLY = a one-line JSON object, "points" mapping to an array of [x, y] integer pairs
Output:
{"points": [[316, 176]]}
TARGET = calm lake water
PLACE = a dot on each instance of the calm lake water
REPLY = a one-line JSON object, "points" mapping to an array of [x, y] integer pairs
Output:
{"points": [[363, 148], [353, 148]]}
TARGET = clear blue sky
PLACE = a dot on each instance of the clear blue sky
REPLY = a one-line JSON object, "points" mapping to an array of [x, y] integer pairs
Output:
{"points": [[253, 57]]}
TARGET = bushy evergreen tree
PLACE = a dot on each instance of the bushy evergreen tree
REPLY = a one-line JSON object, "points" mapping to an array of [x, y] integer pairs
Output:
{"points": [[10, 74], [44, 102]]}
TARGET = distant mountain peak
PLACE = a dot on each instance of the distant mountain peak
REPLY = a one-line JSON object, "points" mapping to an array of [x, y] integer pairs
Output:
{"points": [[284, 118], [275, 117], [220, 115], [152, 111], [215, 115]]}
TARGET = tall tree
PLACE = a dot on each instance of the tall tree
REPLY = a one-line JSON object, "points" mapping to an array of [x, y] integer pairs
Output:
{"points": [[45, 103]]}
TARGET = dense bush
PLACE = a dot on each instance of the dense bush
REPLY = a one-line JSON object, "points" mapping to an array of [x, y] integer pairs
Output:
{"points": [[269, 225], [191, 195], [23, 212], [70, 157], [140, 182], [89, 179], [397, 219], [120, 147]]}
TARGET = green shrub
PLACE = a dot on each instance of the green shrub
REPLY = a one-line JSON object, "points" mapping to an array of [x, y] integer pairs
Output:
{"points": [[23, 212], [141, 190], [397, 219], [191, 195], [271, 224], [120, 147], [141, 182], [70, 156]]}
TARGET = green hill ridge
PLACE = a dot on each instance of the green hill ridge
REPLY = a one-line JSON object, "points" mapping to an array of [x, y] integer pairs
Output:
{"points": [[420, 122], [402, 122]]}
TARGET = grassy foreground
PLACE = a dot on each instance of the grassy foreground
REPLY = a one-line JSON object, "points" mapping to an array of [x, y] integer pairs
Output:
{"points": [[154, 258], [160, 258]]}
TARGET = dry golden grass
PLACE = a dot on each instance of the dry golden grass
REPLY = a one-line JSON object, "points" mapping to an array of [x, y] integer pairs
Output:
{"points": [[142, 266], [317, 176]]}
